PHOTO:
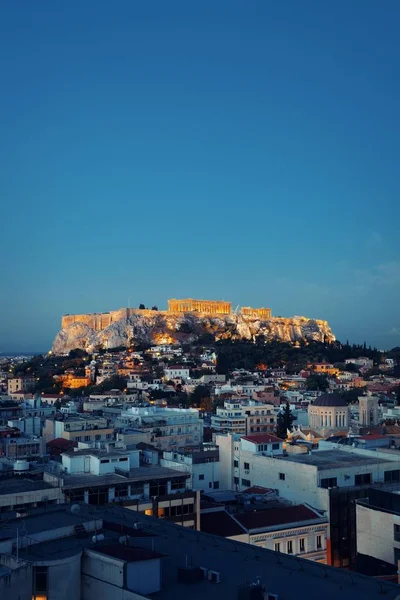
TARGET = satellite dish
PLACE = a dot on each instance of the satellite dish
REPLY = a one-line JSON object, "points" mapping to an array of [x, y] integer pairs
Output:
{"points": [[75, 509]]}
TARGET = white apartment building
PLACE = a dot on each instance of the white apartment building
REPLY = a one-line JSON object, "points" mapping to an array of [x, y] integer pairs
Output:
{"points": [[244, 416], [378, 526], [176, 371], [202, 465], [169, 428]]}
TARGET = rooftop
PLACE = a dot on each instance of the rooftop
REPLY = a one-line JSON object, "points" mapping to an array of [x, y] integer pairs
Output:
{"points": [[220, 523], [126, 553], [330, 400], [334, 459], [137, 474], [277, 517], [18, 485], [262, 438]]}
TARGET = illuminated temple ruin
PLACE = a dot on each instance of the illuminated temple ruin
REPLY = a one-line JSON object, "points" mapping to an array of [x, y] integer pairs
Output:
{"points": [[209, 307]]}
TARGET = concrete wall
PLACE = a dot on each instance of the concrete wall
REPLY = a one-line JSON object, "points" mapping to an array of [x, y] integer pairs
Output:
{"points": [[17, 584], [104, 568], [94, 589], [31, 497], [375, 533], [225, 444], [144, 577], [64, 578]]}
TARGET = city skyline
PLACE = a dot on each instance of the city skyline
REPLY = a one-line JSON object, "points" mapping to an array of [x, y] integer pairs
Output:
{"points": [[241, 152]]}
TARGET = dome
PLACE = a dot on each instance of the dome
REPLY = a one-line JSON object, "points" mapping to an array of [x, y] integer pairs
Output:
{"points": [[329, 400]]}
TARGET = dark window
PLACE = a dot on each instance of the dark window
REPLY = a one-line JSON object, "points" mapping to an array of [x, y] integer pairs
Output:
{"points": [[39, 583], [302, 545], [246, 466], [216, 485], [290, 547], [201, 477], [319, 542], [275, 446], [236, 480], [328, 482], [392, 476], [235, 463], [123, 459], [362, 479], [282, 476], [246, 482], [277, 547], [105, 460]]}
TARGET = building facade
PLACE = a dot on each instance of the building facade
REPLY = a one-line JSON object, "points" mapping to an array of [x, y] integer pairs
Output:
{"points": [[209, 307], [329, 411], [256, 313]]}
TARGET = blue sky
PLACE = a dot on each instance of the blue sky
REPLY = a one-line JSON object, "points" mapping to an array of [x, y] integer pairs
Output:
{"points": [[246, 151]]}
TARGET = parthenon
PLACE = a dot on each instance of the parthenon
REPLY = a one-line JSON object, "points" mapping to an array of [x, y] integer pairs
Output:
{"points": [[210, 307]]}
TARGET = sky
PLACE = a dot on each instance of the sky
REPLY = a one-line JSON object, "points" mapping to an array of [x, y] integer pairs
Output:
{"points": [[244, 151]]}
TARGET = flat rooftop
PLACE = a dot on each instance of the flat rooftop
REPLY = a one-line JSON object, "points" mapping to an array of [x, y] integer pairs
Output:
{"points": [[334, 459], [139, 474], [16, 486]]}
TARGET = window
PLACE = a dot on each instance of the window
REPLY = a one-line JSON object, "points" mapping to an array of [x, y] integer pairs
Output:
{"points": [[282, 476], [87, 438], [246, 482], [290, 547], [362, 479], [236, 480], [39, 583], [302, 545], [104, 460], [123, 459], [328, 482], [277, 547], [319, 542], [216, 485], [201, 477], [246, 466], [236, 463], [275, 446], [210, 484], [392, 476]]}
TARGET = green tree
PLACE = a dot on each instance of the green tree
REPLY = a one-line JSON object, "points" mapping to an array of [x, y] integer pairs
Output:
{"points": [[199, 393], [284, 421], [142, 306], [154, 307], [317, 382]]}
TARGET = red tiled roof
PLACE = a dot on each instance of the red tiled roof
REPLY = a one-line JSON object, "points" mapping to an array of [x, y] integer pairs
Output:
{"points": [[220, 523], [62, 443], [276, 516], [261, 438], [257, 489]]}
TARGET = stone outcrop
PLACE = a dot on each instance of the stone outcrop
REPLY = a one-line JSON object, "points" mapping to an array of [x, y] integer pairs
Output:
{"points": [[163, 327]]}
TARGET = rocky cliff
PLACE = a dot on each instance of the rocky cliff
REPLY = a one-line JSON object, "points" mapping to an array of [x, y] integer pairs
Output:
{"points": [[164, 328]]}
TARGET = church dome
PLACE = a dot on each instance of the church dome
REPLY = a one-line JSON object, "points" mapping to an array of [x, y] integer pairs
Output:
{"points": [[329, 400]]}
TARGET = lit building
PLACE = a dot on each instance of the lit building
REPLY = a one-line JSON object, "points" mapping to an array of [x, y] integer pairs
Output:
{"points": [[20, 384], [169, 428], [70, 381], [201, 463], [256, 313], [210, 307], [328, 480], [244, 417]]}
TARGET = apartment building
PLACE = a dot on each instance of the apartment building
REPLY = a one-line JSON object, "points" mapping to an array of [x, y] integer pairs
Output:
{"points": [[244, 416]]}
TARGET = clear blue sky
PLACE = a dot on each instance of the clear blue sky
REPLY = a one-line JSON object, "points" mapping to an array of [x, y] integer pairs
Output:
{"points": [[246, 151]]}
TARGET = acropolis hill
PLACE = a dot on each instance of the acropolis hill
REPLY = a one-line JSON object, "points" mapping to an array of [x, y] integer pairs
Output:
{"points": [[185, 321]]}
